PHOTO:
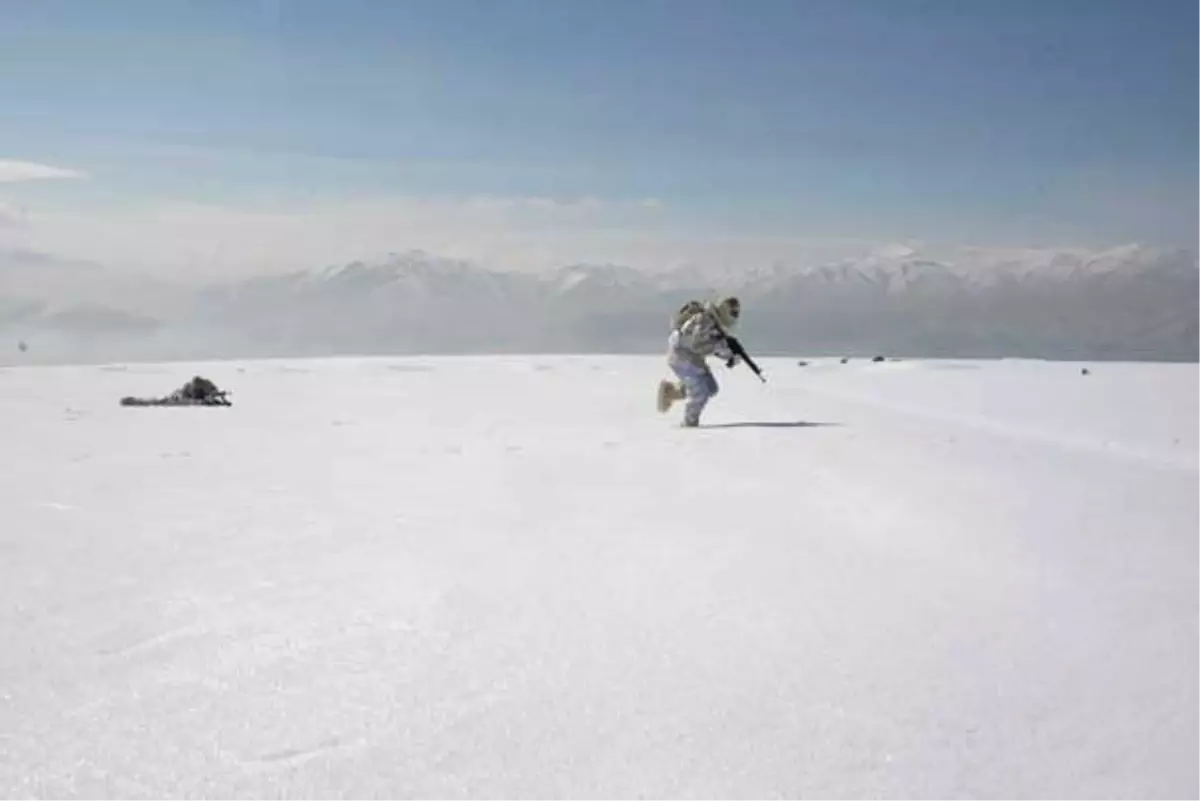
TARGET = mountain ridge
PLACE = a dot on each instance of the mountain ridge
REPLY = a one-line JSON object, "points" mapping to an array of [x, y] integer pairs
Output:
{"points": [[1129, 302]]}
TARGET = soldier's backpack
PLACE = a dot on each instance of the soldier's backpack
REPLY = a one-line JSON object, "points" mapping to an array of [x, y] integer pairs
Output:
{"points": [[685, 312]]}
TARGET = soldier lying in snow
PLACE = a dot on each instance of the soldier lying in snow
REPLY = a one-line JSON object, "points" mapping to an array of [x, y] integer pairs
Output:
{"points": [[197, 392]]}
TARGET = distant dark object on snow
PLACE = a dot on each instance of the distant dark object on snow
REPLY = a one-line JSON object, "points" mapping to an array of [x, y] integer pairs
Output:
{"points": [[845, 359], [197, 392], [1085, 371], [21, 346], [878, 359], [802, 363]]}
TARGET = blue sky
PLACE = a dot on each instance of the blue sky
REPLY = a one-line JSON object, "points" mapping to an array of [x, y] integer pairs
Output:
{"points": [[1014, 122]]}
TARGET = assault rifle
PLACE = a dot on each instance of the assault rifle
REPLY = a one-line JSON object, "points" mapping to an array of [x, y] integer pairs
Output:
{"points": [[738, 350]]}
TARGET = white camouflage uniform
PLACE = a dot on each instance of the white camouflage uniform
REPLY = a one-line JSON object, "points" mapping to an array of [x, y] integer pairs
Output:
{"points": [[699, 336]]}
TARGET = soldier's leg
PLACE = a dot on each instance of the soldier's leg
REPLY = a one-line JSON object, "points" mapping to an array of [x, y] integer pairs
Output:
{"points": [[699, 386]]}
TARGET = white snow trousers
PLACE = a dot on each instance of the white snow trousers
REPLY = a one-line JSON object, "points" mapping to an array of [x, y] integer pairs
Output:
{"points": [[699, 387]]}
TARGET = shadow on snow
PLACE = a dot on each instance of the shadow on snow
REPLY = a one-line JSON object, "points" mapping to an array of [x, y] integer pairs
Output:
{"points": [[769, 424]]}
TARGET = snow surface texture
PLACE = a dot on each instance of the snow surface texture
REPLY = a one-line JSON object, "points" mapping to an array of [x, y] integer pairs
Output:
{"points": [[510, 577]]}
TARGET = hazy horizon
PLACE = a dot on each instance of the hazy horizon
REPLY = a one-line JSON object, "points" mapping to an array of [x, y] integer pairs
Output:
{"points": [[1129, 303]]}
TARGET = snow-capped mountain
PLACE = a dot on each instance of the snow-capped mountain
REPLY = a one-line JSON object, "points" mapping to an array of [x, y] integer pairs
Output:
{"points": [[1125, 303], [1132, 302]]}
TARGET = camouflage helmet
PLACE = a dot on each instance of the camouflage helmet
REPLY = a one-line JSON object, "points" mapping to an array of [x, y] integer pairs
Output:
{"points": [[728, 310]]}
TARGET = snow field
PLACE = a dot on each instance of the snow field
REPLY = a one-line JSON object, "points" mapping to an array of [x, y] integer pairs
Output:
{"points": [[508, 576]]}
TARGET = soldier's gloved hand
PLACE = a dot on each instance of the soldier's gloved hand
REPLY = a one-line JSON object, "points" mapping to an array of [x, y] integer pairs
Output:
{"points": [[732, 362]]}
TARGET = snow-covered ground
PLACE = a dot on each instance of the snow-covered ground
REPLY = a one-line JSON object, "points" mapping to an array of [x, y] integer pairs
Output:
{"points": [[510, 577]]}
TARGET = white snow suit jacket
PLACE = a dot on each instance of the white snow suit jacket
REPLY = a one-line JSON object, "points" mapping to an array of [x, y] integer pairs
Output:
{"points": [[698, 337]]}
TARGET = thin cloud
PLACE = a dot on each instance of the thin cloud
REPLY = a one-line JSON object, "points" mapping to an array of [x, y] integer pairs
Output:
{"points": [[204, 240], [11, 216], [265, 236], [12, 171]]}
